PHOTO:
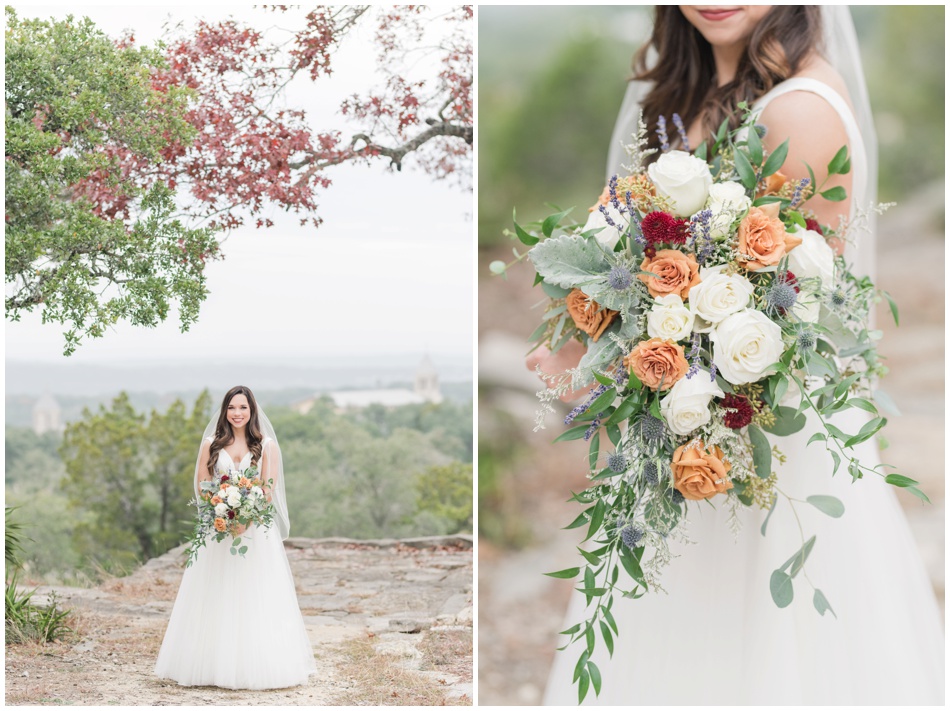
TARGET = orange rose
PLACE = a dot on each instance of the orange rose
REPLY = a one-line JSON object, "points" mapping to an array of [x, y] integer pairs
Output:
{"points": [[220, 525], [657, 362], [244, 482], [763, 240], [773, 184], [590, 317], [255, 482], [224, 486], [699, 473], [216, 500], [676, 273]]}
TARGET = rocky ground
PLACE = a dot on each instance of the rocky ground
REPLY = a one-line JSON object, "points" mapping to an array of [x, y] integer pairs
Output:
{"points": [[521, 611], [390, 622]]}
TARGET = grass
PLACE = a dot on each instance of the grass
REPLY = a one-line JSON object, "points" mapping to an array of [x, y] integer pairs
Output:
{"points": [[26, 622]]}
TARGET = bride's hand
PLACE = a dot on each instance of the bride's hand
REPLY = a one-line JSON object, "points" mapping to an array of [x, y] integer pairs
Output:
{"points": [[568, 357], [240, 528]]}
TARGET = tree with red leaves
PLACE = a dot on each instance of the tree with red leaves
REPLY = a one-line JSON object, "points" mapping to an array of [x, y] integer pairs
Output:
{"points": [[119, 199]]}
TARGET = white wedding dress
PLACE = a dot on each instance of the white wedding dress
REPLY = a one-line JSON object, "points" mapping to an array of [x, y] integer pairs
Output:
{"points": [[718, 638], [236, 623]]}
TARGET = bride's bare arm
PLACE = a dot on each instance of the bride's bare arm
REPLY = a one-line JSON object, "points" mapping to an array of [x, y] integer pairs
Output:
{"points": [[204, 455], [815, 134], [270, 468]]}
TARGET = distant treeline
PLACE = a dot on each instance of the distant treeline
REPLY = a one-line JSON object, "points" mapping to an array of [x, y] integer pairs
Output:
{"points": [[19, 408], [114, 489]]}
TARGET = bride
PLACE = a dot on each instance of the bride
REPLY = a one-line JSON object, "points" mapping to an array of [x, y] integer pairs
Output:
{"points": [[236, 623], [717, 637]]}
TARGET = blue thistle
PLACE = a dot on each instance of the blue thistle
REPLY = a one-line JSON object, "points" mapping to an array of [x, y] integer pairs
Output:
{"points": [[838, 298], [805, 340], [631, 535], [780, 296], [616, 462], [651, 472], [677, 496], [620, 278], [652, 429]]}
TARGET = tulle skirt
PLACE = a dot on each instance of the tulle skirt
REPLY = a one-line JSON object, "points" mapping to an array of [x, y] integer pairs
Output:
{"points": [[236, 623], [718, 638]]}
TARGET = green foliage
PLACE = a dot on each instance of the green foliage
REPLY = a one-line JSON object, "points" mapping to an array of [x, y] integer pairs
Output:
{"points": [[28, 622], [446, 492], [134, 475], [25, 621], [124, 492], [519, 139], [13, 538], [85, 244], [902, 47]]}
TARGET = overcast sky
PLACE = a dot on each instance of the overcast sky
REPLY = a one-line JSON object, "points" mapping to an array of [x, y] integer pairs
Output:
{"points": [[390, 270]]}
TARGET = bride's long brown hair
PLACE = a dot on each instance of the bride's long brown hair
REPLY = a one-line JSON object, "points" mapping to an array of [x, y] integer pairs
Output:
{"points": [[224, 434], [684, 75]]}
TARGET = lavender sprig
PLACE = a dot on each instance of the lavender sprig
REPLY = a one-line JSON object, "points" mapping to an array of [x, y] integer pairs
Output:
{"points": [[693, 357], [594, 394], [661, 132], [593, 427], [799, 189], [681, 129]]}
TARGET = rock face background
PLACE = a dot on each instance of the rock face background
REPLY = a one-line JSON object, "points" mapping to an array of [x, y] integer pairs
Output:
{"points": [[402, 606], [524, 480]]}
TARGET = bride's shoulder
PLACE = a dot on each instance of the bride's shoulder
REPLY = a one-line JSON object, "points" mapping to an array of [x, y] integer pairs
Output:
{"points": [[796, 113]]}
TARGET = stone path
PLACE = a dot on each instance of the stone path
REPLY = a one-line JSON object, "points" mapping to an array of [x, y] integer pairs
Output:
{"points": [[400, 596]]}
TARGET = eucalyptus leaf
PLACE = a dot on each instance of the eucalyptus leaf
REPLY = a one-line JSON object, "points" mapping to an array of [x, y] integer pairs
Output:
{"points": [[761, 452], [780, 585], [765, 523], [829, 505], [787, 422], [821, 603]]}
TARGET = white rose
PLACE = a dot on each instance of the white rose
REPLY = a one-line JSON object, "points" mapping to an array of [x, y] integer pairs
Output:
{"points": [[669, 319], [608, 236], [717, 296], [807, 307], [686, 407], [234, 496], [221, 509], [727, 201], [745, 345], [683, 178], [812, 258]]}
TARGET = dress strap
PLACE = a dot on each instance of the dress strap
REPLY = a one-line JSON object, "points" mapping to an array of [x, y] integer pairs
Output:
{"points": [[859, 167]]}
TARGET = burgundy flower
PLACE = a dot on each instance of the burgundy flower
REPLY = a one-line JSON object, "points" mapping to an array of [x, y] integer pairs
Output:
{"points": [[649, 251], [659, 227], [813, 226], [738, 411], [792, 281], [230, 514], [224, 478]]}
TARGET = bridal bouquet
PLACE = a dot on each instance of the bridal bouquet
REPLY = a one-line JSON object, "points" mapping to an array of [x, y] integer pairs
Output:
{"points": [[714, 310], [230, 499]]}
